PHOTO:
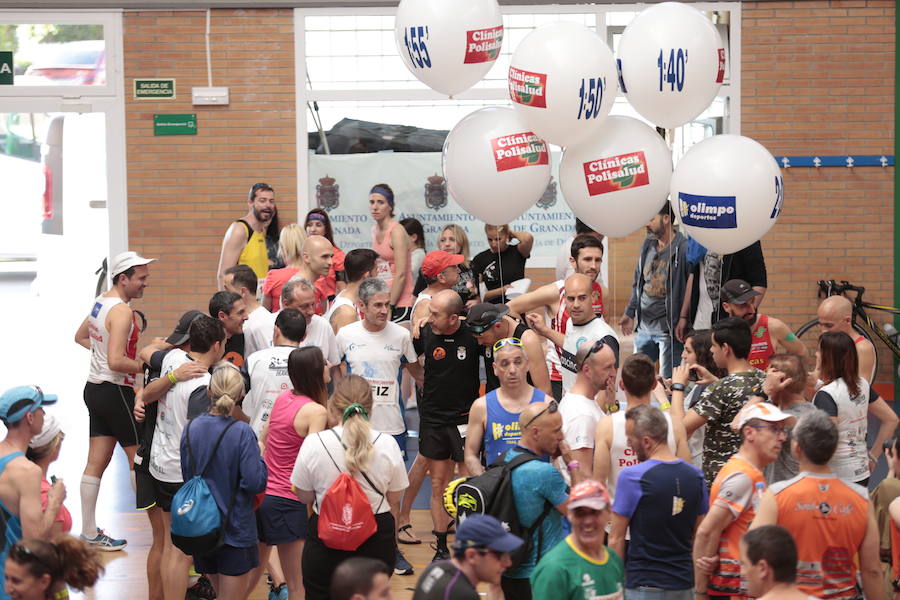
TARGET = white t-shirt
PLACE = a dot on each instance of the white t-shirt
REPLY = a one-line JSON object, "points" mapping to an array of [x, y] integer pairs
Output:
{"points": [[319, 333], [595, 329], [315, 471], [165, 452], [620, 453], [268, 373], [379, 358], [258, 330], [580, 415], [339, 301], [850, 461]]}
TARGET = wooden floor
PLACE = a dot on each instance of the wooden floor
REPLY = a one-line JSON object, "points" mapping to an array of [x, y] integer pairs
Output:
{"points": [[125, 571]]}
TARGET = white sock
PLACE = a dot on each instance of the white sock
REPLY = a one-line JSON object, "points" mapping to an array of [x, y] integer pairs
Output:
{"points": [[90, 489]]}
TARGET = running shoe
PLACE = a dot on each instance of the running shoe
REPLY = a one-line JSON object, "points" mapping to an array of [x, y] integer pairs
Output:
{"points": [[278, 592], [440, 553], [104, 543], [402, 566], [202, 590]]}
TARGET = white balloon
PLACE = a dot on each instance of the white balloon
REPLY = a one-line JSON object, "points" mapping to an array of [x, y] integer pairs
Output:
{"points": [[619, 179], [496, 168], [562, 80], [672, 63], [448, 45], [727, 192]]}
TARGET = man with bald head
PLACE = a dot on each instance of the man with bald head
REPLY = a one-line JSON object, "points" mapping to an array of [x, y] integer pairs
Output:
{"points": [[835, 313], [316, 255], [583, 324], [538, 489], [494, 418], [449, 353]]}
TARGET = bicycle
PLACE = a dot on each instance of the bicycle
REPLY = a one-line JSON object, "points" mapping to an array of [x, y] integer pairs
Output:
{"points": [[890, 338]]}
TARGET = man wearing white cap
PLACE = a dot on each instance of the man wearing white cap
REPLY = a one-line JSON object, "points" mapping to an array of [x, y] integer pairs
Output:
{"points": [[111, 333], [21, 411], [733, 500]]}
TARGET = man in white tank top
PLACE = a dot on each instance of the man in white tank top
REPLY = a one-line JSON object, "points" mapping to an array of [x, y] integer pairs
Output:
{"points": [[359, 265], [259, 325], [835, 313], [111, 333], [611, 451]]}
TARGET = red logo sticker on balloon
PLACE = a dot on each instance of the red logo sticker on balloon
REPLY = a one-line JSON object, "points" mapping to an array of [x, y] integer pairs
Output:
{"points": [[483, 45], [519, 150], [528, 88], [720, 76], [616, 173]]}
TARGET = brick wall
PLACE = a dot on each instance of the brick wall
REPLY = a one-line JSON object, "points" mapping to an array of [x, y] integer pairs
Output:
{"points": [[183, 191]]}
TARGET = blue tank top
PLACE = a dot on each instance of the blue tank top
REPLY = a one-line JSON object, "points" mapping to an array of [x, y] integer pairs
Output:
{"points": [[12, 524], [501, 431]]}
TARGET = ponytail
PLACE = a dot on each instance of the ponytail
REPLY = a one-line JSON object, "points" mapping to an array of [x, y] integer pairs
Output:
{"points": [[226, 387], [352, 401]]}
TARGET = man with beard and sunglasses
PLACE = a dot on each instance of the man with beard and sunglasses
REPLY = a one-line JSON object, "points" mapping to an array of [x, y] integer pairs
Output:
{"points": [[245, 240], [738, 301]]}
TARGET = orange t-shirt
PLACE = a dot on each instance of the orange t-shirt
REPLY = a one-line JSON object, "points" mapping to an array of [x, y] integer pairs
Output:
{"points": [[737, 488], [828, 519]]}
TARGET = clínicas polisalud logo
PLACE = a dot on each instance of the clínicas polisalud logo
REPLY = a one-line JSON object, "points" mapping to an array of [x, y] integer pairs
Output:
{"points": [[615, 173], [528, 88], [519, 150], [483, 45]]}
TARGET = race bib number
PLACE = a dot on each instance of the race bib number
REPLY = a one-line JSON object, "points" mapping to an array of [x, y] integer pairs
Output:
{"points": [[383, 392]]}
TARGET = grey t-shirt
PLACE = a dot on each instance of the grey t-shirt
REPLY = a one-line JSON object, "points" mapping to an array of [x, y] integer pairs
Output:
{"points": [[786, 466], [653, 295]]}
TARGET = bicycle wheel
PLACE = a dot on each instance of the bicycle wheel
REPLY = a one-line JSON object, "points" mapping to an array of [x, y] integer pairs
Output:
{"points": [[856, 327]]}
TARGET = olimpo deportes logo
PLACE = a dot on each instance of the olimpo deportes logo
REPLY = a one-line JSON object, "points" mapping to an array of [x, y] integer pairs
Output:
{"points": [[709, 212]]}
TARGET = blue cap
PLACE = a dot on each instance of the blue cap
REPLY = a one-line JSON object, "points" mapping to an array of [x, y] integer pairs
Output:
{"points": [[485, 531], [16, 402]]}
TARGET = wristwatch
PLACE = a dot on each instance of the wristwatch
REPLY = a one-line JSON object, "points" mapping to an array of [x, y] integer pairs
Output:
{"points": [[677, 387]]}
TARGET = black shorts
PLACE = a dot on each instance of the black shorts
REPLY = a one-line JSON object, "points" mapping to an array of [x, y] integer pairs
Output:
{"points": [[401, 314], [111, 411], [281, 520], [144, 490], [228, 560], [164, 493], [441, 443], [557, 389]]}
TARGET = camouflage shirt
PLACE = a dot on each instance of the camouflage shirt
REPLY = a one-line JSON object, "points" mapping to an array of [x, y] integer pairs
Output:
{"points": [[719, 404]]}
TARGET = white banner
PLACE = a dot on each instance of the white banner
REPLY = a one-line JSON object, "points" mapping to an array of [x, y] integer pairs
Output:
{"points": [[341, 183]]}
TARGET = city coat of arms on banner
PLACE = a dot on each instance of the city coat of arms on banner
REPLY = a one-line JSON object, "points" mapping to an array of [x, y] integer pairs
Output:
{"points": [[436, 192], [548, 198], [327, 193]]}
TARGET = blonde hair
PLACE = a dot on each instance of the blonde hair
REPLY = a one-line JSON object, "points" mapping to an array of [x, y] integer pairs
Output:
{"points": [[290, 243], [225, 388], [462, 239], [353, 389]]}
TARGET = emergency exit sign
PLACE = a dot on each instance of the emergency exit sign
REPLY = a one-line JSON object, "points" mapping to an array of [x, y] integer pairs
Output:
{"points": [[156, 89], [169, 124], [6, 68]]}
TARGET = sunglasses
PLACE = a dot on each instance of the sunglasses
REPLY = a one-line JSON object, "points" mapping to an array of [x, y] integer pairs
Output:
{"points": [[552, 407], [22, 553], [510, 341], [496, 553], [596, 347]]}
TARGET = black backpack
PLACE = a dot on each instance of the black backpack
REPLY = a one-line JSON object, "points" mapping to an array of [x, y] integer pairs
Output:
{"points": [[491, 493]]}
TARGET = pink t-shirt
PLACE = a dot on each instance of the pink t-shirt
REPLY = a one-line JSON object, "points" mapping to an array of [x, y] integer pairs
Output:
{"points": [[385, 263], [63, 515], [283, 443]]}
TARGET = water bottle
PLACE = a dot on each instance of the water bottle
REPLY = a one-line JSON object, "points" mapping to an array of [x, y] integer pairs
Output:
{"points": [[757, 495]]}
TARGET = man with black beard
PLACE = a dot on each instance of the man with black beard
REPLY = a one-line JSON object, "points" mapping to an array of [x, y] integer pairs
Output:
{"points": [[738, 301], [245, 240]]}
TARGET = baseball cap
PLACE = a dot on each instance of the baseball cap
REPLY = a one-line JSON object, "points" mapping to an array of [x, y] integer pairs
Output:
{"points": [[16, 402], [125, 260], [738, 291], [435, 262], [764, 412], [51, 429], [485, 531], [181, 333], [589, 494], [483, 315]]}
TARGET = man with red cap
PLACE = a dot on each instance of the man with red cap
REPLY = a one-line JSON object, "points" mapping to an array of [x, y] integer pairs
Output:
{"points": [[441, 272], [581, 566]]}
